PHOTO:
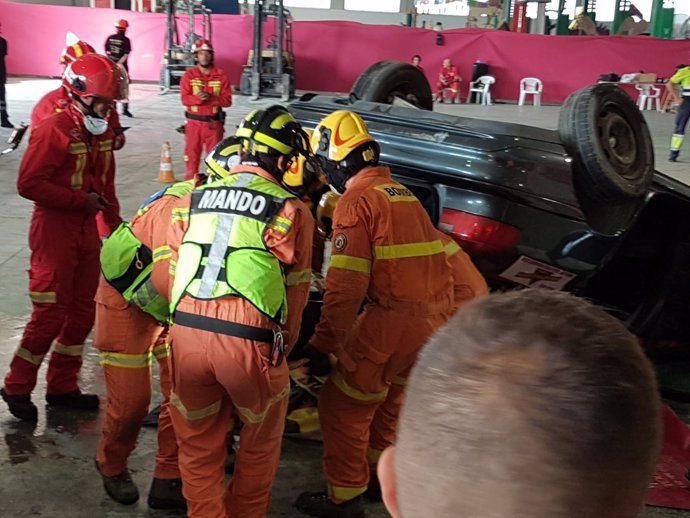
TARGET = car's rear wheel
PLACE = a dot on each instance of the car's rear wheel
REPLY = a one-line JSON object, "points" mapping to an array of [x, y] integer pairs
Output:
{"points": [[604, 131], [393, 82]]}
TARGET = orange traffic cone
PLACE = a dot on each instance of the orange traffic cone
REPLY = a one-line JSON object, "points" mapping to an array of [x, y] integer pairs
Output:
{"points": [[166, 174]]}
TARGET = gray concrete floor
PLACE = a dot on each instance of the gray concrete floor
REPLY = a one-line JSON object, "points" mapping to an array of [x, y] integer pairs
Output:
{"points": [[47, 470]]}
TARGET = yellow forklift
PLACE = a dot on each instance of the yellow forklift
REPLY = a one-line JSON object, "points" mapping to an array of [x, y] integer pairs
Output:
{"points": [[270, 69]]}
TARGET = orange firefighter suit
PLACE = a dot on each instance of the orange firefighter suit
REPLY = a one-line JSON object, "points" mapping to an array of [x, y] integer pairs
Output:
{"points": [[56, 101], [128, 340], [385, 250], [62, 165], [448, 79], [217, 376], [204, 128]]}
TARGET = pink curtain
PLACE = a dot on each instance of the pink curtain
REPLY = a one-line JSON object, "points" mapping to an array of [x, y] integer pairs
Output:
{"points": [[330, 55]]}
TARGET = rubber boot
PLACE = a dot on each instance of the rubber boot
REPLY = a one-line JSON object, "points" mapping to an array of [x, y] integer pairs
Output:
{"points": [[20, 406], [321, 506]]}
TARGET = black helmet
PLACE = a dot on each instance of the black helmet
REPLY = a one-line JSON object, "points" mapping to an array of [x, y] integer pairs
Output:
{"points": [[272, 131], [221, 159]]}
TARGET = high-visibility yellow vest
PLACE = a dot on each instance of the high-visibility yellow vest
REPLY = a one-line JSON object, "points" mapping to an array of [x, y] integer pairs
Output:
{"points": [[223, 253], [127, 263]]}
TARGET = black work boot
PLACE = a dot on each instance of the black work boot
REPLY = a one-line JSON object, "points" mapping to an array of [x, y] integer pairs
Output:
{"points": [[673, 157], [5, 120], [76, 400], [166, 494], [373, 492], [320, 505], [120, 487], [151, 419], [20, 406]]}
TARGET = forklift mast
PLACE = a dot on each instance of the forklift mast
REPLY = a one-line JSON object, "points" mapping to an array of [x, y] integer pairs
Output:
{"points": [[178, 57]]}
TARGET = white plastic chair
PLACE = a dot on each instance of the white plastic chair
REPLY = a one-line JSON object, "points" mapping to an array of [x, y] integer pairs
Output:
{"points": [[482, 87], [649, 96], [530, 86]]}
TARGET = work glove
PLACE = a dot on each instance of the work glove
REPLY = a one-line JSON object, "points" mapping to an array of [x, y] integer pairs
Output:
{"points": [[319, 364]]}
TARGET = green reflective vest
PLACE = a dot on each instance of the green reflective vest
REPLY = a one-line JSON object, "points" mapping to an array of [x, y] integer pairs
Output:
{"points": [[223, 253], [127, 263]]}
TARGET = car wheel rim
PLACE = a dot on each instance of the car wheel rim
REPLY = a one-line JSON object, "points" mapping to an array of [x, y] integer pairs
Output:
{"points": [[407, 98], [618, 141]]}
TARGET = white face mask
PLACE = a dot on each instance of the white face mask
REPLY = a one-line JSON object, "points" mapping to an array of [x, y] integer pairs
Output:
{"points": [[95, 125]]}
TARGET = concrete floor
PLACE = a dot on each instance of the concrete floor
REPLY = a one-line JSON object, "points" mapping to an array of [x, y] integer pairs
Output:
{"points": [[47, 470]]}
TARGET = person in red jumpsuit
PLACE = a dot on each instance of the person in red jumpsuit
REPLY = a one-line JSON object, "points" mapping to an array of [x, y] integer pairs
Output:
{"points": [[64, 173], [204, 91], [448, 80], [57, 100]]}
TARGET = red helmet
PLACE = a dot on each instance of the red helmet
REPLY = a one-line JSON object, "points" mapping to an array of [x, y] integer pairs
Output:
{"points": [[122, 24], [72, 52], [94, 75], [202, 44]]}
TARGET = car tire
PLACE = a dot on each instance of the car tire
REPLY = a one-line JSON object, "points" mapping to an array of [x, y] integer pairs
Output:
{"points": [[603, 130], [385, 81]]}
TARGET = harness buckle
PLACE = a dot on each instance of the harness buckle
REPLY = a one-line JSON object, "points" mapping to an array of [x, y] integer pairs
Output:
{"points": [[277, 348]]}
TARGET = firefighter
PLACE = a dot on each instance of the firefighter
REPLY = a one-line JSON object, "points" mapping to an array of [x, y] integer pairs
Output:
{"points": [[204, 91], [241, 254], [131, 330], [57, 100], [386, 250], [682, 78], [448, 79], [63, 173], [118, 48]]}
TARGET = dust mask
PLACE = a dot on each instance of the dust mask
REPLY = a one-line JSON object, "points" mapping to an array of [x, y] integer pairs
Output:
{"points": [[95, 125]]}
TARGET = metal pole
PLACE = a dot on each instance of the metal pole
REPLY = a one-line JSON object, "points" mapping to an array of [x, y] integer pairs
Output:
{"points": [[190, 22], [281, 36], [257, 58]]}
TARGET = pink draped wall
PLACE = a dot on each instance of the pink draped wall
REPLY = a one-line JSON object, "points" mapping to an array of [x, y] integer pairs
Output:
{"points": [[330, 55]]}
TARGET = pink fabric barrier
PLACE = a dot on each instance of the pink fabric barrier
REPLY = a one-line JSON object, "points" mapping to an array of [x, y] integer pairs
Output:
{"points": [[330, 55]]}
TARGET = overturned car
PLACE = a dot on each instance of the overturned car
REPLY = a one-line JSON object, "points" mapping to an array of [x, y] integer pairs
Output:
{"points": [[580, 209]]}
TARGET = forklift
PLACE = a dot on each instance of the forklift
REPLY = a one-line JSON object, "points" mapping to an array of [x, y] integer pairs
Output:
{"points": [[270, 71], [178, 57]]}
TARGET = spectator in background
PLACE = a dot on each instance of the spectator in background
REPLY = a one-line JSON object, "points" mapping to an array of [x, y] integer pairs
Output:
{"points": [[417, 61], [4, 118], [118, 48], [680, 79], [448, 80], [527, 404]]}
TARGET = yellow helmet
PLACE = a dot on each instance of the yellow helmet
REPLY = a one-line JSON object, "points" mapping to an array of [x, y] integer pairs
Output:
{"points": [[339, 134], [325, 210], [223, 157], [272, 130], [343, 146]]}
